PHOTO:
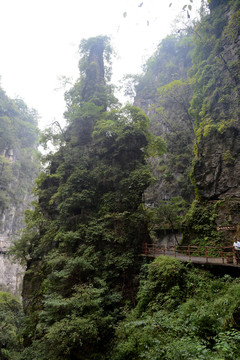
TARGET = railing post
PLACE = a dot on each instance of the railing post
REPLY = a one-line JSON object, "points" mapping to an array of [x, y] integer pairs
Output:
{"points": [[154, 250], [222, 255], [206, 253], [234, 254], [145, 248]]}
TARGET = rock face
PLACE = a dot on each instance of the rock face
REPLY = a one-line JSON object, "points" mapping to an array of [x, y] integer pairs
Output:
{"points": [[214, 217], [11, 274], [217, 176], [216, 103], [18, 168], [11, 223], [164, 94], [217, 169]]}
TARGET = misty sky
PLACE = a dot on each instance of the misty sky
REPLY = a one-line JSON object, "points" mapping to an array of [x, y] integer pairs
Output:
{"points": [[39, 43]]}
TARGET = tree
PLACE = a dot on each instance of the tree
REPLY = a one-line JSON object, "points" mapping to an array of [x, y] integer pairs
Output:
{"points": [[11, 318], [18, 150], [169, 214], [86, 231]]}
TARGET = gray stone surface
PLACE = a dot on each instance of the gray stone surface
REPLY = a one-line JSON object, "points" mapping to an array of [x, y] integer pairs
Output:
{"points": [[11, 224], [217, 168]]}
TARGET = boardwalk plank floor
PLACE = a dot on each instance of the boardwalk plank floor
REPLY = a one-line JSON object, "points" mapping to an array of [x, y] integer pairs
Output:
{"points": [[194, 259]]}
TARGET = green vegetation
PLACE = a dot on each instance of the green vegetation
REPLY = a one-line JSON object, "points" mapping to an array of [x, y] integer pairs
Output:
{"points": [[11, 323], [182, 313], [88, 294], [164, 85], [168, 215], [18, 154], [215, 108], [200, 225], [83, 239], [215, 71]]}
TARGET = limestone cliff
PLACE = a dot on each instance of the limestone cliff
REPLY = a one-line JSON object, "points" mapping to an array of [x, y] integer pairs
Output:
{"points": [[215, 107], [18, 141], [217, 167], [164, 93], [191, 91]]}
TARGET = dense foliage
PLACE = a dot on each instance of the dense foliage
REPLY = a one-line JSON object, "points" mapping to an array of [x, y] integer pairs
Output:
{"points": [[83, 239], [215, 107], [190, 90], [182, 313], [85, 235], [215, 71], [11, 323], [200, 225], [18, 154]]}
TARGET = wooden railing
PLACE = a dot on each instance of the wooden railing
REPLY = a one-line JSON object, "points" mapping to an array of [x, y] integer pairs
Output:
{"points": [[220, 254]]}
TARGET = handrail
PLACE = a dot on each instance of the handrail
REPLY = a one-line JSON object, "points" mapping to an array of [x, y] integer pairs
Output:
{"points": [[226, 254]]}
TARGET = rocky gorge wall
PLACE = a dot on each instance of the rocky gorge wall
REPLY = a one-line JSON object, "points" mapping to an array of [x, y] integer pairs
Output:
{"points": [[18, 169], [215, 106], [191, 92], [12, 222], [217, 167], [163, 92], [11, 273]]}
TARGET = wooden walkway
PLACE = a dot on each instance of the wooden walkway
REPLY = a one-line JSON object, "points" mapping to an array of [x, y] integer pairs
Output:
{"points": [[225, 256]]}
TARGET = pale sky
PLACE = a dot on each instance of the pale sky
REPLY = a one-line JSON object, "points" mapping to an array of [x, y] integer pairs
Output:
{"points": [[39, 43]]}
